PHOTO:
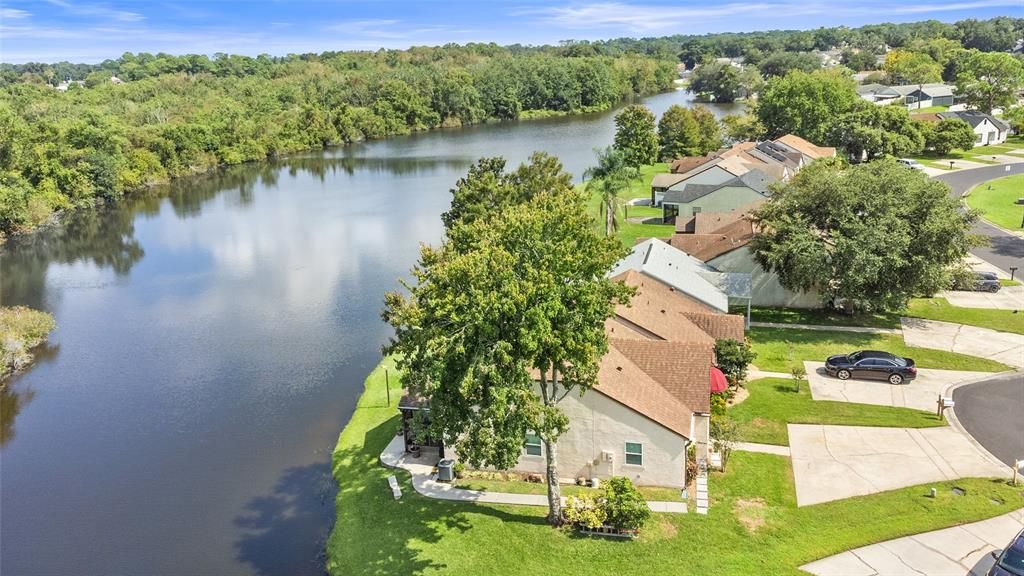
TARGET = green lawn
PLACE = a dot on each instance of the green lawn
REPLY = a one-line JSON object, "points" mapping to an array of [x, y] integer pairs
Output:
{"points": [[998, 205], [1008, 282], [773, 403], [926, 308], [520, 487], [630, 232], [753, 527], [941, 309], [929, 109], [778, 349], [981, 154]]}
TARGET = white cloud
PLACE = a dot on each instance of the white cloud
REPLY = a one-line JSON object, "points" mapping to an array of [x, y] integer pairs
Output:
{"points": [[642, 18], [97, 11], [13, 14]]}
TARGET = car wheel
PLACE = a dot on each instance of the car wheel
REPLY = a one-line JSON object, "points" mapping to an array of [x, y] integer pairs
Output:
{"points": [[843, 374], [895, 379]]}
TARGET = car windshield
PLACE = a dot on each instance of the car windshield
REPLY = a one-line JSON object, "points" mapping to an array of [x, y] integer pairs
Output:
{"points": [[854, 357], [1013, 561]]}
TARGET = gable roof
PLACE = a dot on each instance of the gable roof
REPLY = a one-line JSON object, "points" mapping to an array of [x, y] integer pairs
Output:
{"points": [[682, 369], [684, 165], [708, 246], [666, 180], [975, 118], [684, 273], [806, 148]]}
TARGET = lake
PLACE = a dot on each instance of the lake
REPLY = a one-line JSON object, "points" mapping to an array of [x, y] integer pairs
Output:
{"points": [[212, 340]]}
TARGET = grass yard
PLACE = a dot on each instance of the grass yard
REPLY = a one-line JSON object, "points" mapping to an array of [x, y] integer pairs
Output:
{"points": [[630, 232], [941, 309], [521, 487], [998, 205], [773, 403], [929, 109], [778, 349], [820, 317], [981, 154], [753, 527]]}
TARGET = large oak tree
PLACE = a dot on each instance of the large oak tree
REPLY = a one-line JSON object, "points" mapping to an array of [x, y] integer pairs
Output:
{"points": [[505, 318], [867, 237]]}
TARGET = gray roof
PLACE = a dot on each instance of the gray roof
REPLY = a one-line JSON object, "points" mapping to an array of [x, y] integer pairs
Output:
{"points": [[974, 118], [870, 88], [755, 179]]}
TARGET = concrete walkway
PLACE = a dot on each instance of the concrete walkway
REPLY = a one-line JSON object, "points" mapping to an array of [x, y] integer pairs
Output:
{"points": [[859, 329], [837, 462], [424, 481], [958, 551], [762, 448], [921, 393], [1008, 298], [1002, 347]]}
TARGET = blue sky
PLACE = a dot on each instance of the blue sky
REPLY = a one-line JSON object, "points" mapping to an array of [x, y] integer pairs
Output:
{"points": [[90, 31]]}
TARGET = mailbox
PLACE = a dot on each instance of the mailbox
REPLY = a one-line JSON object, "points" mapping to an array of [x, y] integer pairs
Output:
{"points": [[947, 402]]}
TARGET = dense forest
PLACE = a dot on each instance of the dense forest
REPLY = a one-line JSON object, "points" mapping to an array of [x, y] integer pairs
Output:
{"points": [[143, 118]]}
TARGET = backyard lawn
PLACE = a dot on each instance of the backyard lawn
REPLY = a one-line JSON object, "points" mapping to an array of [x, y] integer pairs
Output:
{"points": [[773, 403], [998, 205], [521, 487], [630, 232], [778, 349], [753, 527]]}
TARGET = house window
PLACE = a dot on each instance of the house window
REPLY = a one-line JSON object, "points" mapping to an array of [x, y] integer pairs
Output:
{"points": [[634, 453], [533, 445]]}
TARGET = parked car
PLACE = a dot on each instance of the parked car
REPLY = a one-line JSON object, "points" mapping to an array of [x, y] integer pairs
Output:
{"points": [[911, 163], [871, 365], [1010, 561], [986, 282]]}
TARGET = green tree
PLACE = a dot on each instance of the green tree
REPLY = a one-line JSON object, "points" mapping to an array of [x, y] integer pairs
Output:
{"points": [[948, 134], [709, 128], [742, 127], [867, 237], [872, 131], [678, 133], [487, 189], [1015, 116], [504, 323], [723, 82], [611, 175], [859, 60], [906, 67], [635, 137], [805, 104], [733, 357], [990, 80], [781, 63]]}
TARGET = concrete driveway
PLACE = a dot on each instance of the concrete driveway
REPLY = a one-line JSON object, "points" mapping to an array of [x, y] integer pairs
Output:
{"points": [[957, 551], [837, 462], [921, 393], [1009, 298], [981, 342]]}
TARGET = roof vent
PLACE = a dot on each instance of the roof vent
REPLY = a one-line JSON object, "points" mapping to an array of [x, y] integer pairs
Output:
{"points": [[619, 368]]}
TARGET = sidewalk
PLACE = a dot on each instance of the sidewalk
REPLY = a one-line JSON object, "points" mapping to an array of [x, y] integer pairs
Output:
{"points": [[423, 482], [860, 329], [958, 551], [762, 448]]}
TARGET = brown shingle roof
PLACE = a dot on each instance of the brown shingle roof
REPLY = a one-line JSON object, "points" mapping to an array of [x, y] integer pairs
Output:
{"points": [[706, 247], [652, 287], [684, 165], [683, 369], [624, 381], [719, 325], [662, 181], [805, 147]]}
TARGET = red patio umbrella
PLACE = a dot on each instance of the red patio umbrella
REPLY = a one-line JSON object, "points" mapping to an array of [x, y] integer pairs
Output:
{"points": [[718, 381]]}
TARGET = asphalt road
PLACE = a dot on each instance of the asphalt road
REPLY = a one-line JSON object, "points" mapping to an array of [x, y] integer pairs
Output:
{"points": [[993, 413], [1006, 250]]}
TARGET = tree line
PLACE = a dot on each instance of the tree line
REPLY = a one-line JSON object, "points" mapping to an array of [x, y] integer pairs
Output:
{"points": [[177, 115]]}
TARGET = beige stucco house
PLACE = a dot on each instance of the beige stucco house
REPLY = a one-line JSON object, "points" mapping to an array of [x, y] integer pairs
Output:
{"points": [[652, 399]]}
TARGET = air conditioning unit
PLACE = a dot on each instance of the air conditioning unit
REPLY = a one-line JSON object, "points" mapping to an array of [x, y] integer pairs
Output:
{"points": [[607, 456]]}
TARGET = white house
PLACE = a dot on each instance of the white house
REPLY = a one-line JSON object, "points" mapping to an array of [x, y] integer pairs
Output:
{"points": [[987, 128]]}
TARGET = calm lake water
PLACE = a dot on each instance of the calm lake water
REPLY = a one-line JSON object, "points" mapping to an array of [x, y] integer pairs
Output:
{"points": [[212, 341]]}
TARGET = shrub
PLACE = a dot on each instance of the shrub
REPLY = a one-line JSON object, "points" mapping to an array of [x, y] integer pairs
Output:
{"points": [[719, 401], [961, 278], [733, 358], [625, 507], [799, 375], [21, 329], [586, 510], [459, 469]]}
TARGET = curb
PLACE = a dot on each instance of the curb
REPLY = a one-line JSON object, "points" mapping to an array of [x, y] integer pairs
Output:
{"points": [[955, 422]]}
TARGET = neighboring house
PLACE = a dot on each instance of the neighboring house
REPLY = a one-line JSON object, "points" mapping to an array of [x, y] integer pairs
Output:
{"points": [[914, 96], [687, 274], [115, 80], [721, 241], [693, 196], [652, 398], [987, 128], [63, 86]]}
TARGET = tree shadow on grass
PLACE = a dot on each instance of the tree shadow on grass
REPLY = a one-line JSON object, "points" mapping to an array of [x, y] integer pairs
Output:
{"points": [[376, 534], [285, 531]]}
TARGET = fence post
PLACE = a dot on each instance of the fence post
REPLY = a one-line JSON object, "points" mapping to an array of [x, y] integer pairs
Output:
{"points": [[387, 385]]}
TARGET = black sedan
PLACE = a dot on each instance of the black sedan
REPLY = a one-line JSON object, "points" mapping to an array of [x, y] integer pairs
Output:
{"points": [[871, 365], [1009, 562]]}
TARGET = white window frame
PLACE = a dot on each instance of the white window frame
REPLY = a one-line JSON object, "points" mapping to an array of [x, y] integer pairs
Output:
{"points": [[527, 445], [628, 454]]}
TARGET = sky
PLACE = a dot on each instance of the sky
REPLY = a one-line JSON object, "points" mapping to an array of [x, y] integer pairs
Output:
{"points": [[92, 31]]}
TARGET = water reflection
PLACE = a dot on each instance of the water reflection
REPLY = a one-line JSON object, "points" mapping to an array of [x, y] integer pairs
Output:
{"points": [[14, 397]]}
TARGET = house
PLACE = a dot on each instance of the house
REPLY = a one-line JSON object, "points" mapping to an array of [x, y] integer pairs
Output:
{"points": [[721, 242], [724, 180], [987, 128], [652, 398], [115, 80], [914, 96]]}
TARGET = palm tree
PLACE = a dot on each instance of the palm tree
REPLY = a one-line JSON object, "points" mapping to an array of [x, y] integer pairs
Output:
{"points": [[612, 175]]}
